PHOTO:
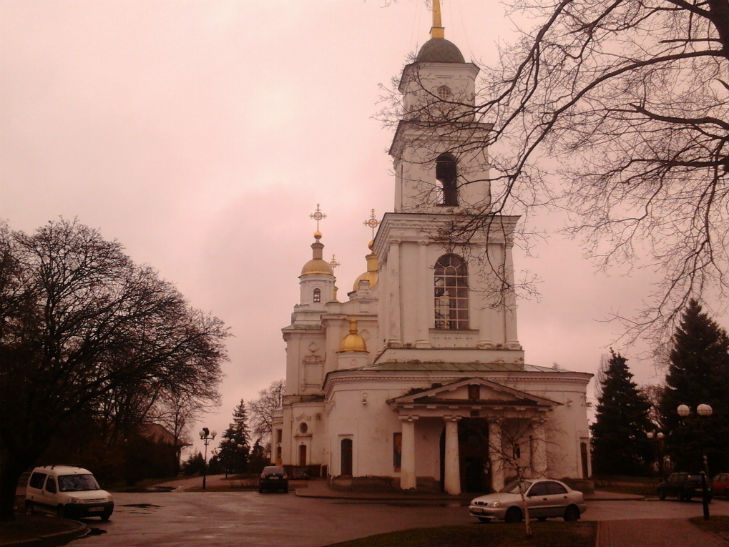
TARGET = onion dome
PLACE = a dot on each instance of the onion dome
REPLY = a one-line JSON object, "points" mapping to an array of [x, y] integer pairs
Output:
{"points": [[353, 341], [373, 266], [317, 265]]}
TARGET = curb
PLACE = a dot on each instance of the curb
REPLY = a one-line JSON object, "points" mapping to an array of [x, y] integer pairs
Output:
{"points": [[52, 540]]}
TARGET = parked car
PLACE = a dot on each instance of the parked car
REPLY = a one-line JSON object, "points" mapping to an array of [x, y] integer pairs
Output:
{"points": [[544, 497], [683, 486], [67, 491], [720, 484], [273, 477]]}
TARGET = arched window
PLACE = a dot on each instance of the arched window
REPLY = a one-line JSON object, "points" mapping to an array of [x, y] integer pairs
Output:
{"points": [[451, 293], [317, 295], [446, 173]]}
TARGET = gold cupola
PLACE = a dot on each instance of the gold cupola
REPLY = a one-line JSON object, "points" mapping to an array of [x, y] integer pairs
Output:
{"points": [[353, 341], [373, 266], [317, 265]]}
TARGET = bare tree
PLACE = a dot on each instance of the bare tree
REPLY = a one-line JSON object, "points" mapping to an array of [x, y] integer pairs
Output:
{"points": [[616, 111], [84, 331], [262, 409]]}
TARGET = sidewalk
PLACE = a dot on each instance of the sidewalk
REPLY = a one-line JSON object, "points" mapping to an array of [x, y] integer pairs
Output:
{"points": [[321, 489], [654, 533]]}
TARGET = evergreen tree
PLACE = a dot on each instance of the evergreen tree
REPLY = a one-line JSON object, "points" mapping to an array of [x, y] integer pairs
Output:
{"points": [[698, 373], [619, 442], [234, 446]]}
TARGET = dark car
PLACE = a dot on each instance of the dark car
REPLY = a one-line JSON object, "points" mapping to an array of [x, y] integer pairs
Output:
{"points": [[273, 477], [720, 484], [683, 486]]}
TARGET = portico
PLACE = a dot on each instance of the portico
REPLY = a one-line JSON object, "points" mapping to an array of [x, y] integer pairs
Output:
{"points": [[509, 418]]}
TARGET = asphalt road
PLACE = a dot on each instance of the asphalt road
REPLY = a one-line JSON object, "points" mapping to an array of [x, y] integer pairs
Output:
{"points": [[250, 518]]}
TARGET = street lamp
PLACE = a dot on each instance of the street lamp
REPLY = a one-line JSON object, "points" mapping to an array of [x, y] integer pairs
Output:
{"points": [[705, 411], [206, 436], [659, 462]]}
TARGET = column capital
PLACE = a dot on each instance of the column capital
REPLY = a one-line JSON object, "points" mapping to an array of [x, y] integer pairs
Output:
{"points": [[452, 418], [410, 418]]}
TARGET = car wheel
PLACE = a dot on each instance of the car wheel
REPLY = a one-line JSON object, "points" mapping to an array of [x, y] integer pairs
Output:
{"points": [[513, 515], [571, 514], [105, 516]]}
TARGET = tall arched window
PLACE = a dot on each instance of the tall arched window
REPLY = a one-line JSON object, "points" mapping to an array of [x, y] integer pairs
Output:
{"points": [[446, 173], [317, 295], [451, 293]]}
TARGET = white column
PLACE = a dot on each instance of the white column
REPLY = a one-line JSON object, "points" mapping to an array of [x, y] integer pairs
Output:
{"points": [[393, 259], [512, 340], [452, 479], [495, 455], [539, 465], [425, 296], [407, 461]]}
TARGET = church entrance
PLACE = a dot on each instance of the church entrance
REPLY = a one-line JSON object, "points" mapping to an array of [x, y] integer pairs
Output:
{"points": [[346, 449], [473, 448], [473, 451]]}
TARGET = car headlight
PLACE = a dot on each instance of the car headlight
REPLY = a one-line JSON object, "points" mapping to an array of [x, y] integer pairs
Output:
{"points": [[495, 504], [75, 500]]}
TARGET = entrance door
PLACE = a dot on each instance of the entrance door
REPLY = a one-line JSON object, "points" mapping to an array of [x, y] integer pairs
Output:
{"points": [[346, 449], [473, 448], [302, 454]]}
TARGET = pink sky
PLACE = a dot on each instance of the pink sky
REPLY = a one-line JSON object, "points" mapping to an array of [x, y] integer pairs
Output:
{"points": [[202, 134]]}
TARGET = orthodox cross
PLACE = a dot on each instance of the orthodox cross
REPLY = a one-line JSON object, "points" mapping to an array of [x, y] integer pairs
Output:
{"points": [[318, 216], [372, 222], [333, 262]]}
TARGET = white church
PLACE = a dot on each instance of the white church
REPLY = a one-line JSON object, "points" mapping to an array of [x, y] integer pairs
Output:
{"points": [[418, 379]]}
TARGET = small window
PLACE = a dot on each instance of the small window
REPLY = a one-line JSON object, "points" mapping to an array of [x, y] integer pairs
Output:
{"points": [[317, 295], [36, 480], [279, 435], [444, 92], [303, 428], [51, 485], [516, 451], [474, 392]]}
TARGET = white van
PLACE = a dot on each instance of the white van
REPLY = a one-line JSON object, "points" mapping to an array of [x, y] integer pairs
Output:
{"points": [[68, 491]]}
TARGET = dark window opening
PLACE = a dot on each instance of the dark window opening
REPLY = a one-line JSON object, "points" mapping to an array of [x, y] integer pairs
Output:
{"points": [[317, 295], [396, 451], [446, 173], [346, 448], [474, 392]]}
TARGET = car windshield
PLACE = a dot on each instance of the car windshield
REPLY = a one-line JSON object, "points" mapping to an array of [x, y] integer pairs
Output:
{"points": [[77, 483], [513, 487]]}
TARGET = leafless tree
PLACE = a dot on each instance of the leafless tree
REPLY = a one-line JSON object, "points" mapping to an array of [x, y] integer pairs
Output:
{"points": [[261, 411], [617, 112], [85, 331]]}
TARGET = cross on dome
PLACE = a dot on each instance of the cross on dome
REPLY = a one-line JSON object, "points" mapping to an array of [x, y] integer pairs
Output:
{"points": [[318, 215], [372, 222]]}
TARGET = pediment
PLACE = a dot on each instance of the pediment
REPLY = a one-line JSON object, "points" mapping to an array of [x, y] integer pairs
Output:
{"points": [[489, 393]]}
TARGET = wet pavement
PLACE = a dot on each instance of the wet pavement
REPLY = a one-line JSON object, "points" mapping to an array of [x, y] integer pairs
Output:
{"points": [[245, 517]]}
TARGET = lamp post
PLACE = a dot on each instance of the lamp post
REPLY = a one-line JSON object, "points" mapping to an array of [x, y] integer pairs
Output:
{"points": [[705, 411], [206, 436], [657, 450]]}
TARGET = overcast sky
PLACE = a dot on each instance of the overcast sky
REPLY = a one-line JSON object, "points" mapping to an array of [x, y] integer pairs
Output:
{"points": [[202, 134]]}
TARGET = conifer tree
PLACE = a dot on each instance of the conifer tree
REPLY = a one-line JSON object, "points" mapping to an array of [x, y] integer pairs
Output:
{"points": [[619, 442], [698, 373], [234, 446]]}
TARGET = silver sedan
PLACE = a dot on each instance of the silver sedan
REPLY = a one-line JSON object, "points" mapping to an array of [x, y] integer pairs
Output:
{"points": [[544, 497]]}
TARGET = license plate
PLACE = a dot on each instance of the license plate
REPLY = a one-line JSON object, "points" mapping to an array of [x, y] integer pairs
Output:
{"points": [[96, 508], [273, 478]]}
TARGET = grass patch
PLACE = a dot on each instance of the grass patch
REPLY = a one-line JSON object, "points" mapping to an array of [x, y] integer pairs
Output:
{"points": [[717, 524], [545, 534]]}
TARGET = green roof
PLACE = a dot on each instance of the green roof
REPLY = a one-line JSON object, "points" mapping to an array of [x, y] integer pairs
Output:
{"points": [[449, 367]]}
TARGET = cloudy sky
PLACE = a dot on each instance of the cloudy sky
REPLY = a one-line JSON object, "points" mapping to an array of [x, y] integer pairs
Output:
{"points": [[202, 133]]}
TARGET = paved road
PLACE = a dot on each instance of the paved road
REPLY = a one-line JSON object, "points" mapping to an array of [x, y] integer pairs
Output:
{"points": [[250, 518]]}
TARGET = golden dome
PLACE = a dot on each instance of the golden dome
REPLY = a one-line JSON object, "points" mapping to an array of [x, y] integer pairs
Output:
{"points": [[371, 275], [317, 265], [353, 341]]}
